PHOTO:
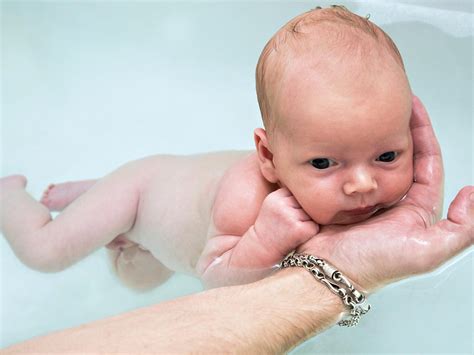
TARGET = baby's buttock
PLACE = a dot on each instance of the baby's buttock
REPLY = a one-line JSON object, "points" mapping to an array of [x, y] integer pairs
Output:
{"points": [[175, 206]]}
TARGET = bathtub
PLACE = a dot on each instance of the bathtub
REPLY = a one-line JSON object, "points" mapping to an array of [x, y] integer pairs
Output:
{"points": [[87, 86]]}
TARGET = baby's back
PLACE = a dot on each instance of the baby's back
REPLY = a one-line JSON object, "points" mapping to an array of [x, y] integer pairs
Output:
{"points": [[176, 201]]}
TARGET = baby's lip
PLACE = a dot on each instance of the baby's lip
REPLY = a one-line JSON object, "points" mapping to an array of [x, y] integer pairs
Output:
{"points": [[362, 210]]}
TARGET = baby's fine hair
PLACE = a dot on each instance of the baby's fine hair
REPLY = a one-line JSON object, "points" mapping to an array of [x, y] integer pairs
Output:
{"points": [[339, 23]]}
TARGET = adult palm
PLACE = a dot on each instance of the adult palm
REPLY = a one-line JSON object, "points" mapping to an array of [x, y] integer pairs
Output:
{"points": [[408, 239]]}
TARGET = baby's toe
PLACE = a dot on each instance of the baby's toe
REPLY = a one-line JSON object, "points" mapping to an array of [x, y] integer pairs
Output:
{"points": [[45, 200]]}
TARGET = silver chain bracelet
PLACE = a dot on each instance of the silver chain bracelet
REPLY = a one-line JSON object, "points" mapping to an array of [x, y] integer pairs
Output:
{"points": [[335, 281]]}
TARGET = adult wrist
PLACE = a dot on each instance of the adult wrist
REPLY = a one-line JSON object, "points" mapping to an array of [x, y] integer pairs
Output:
{"points": [[293, 307], [312, 297], [335, 281], [343, 264]]}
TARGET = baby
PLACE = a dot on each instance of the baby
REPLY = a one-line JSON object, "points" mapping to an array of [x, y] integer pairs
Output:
{"points": [[336, 149]]}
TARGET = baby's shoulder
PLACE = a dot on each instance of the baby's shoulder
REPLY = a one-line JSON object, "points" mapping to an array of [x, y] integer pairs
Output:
{"points": [[239, 197]]}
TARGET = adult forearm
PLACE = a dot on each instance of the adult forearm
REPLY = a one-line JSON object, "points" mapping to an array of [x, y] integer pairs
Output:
{"points": [[290, 306], [268, 316]]}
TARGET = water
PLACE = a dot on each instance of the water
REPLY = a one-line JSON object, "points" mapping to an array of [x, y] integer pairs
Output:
{"points": [[89, 85]]}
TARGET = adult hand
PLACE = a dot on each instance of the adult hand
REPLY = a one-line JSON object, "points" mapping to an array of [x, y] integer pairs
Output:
{"points": [[407, 239]]}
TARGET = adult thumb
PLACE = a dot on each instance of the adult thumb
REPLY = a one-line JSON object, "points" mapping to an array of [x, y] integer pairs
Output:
{"points": [[461, 210]]}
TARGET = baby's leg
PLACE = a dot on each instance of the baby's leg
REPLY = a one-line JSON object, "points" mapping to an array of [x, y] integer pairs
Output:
{"points": [[57, 196], [94, 219], [136, 268]]}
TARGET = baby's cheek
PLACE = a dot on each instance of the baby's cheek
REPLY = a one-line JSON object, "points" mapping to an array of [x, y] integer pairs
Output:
{"points": [[398, 186], [321, 214], [319, 202]]}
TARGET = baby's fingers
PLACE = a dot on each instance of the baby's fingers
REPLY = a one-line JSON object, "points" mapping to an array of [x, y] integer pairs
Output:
{"points": [[282, 192], [300, 215], [292, 202], [308, 230]]}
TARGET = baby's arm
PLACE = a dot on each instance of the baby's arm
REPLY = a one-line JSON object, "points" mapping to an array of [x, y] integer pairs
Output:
{"points": [[106, 210], [281, 226]]}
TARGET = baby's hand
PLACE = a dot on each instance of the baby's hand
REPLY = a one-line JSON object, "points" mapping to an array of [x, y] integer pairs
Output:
{"points": [[282, 224], [280, 227]]}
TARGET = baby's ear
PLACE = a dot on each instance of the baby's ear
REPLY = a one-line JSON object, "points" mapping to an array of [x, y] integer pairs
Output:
{"points": [[265, 155]]}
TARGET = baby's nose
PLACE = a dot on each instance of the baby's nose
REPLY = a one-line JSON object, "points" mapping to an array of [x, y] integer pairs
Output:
{"points": [[360, 181]]}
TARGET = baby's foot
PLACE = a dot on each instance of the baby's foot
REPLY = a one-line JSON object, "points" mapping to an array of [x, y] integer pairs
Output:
{"points": [[58, 197]]}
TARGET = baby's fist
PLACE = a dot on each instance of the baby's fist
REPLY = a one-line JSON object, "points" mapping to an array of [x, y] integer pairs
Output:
{"points": [[282, 223]]}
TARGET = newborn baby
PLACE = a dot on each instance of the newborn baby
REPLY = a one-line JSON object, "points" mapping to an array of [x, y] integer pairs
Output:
{"points": [[336, 149]]}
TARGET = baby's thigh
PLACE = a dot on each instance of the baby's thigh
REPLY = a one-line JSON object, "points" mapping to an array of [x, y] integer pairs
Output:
{"points": [[137, 268]]}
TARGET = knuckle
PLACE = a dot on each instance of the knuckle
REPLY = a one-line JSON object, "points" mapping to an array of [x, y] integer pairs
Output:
{"points": [[272, 198], [275, 203], [314, 227], [301, 229]]}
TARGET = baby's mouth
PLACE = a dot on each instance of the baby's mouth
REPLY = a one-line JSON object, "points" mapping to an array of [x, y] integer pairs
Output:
{"points": [[363, 210]]}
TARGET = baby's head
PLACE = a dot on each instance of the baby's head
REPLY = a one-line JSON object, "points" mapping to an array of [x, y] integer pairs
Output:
{"points": [[336, 106]]}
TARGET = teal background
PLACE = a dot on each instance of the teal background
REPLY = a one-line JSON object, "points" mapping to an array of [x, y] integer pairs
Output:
{"points": [[89, 85]]}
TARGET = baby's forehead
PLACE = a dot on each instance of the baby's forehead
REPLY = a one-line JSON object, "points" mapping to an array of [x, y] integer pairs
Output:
{"points": [[308, 98], [366, 129], [337, 84]]}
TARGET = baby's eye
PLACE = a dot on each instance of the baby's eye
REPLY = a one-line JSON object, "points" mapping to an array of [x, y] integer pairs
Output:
{"points": [[321, 163], [387, 157]]}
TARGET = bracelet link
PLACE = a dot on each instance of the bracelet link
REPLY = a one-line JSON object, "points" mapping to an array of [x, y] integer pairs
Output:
{"points": [[335, 281]]}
